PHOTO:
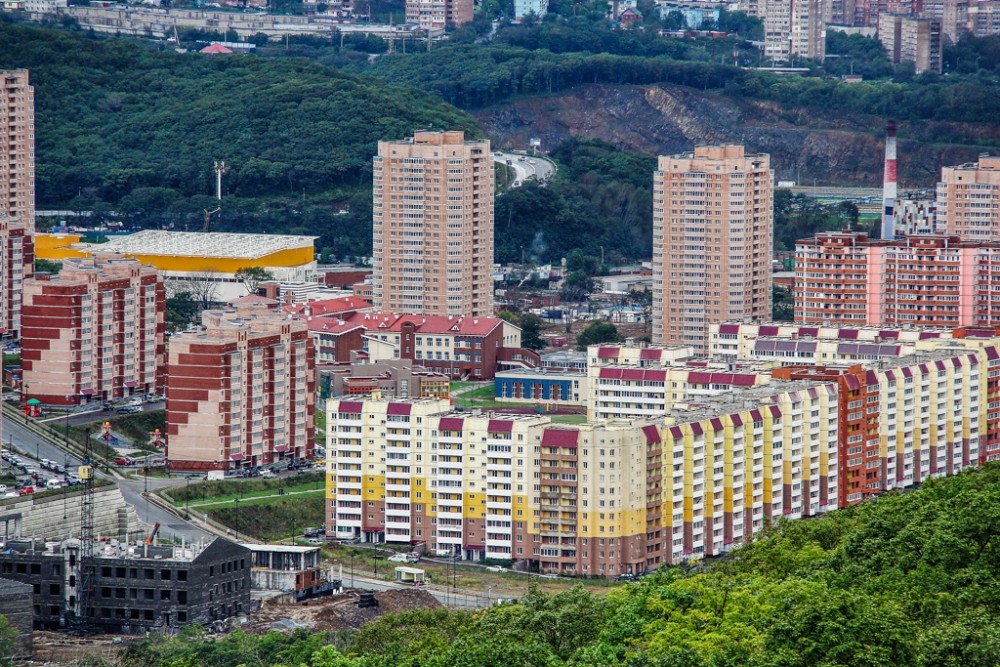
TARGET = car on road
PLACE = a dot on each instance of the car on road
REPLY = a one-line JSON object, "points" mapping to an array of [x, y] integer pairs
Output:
{"points": [[550, 575], [26, 491], [626, 576], [129, 409], [398, 558], [495, 568], [124, 461]]}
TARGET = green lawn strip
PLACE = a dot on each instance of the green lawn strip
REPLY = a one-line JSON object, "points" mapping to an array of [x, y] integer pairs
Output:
{"points": [[249, 500], [569, 419], [194, 501], [273, 518]]}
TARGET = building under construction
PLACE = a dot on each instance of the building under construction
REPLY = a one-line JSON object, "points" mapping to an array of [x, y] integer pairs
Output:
{"points": [[130, 587]]}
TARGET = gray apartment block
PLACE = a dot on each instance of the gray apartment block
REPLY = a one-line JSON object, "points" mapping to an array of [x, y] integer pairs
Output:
{"points": [[133, 586]]}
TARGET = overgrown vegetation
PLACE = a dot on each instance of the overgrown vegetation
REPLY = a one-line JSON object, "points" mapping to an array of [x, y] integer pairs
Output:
{"points": [[912, 579]]}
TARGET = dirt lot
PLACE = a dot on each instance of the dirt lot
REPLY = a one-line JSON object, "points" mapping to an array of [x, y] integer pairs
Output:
{"points": [[339, 612]]}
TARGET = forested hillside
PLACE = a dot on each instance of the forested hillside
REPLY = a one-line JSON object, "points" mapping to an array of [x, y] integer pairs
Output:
{"points": [[121, 125], [908, 580]]}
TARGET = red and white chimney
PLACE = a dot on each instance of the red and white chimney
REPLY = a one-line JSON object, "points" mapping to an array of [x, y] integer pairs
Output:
{"points": [[889, 182]]}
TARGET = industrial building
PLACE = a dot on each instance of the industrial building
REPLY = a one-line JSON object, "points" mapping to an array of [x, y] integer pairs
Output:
{"points": [[713, 233], [433, 223], [240, 391], [17, 194], [201, 263], [93, 332], [133, 586]]}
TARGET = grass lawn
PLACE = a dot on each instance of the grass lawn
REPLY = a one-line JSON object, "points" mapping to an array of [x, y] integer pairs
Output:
{"points": [[223, 490], [271, 519], [569, 419], [250, 497]]}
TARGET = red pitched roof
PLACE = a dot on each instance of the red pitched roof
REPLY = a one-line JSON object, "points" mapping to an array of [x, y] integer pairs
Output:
{"points": [[327, 307], [428, 324], [215, 47]]}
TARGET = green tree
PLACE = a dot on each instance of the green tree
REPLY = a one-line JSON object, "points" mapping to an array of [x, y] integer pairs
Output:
{"points": [[47, 266], [253, 276], [531, 331], [597, 332]]}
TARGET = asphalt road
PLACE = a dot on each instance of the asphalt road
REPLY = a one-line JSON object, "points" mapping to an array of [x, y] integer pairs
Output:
{"points": [[97, 415], [532, 165]]}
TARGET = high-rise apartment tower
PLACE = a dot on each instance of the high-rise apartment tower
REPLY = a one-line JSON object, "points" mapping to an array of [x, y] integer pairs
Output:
{"points": [[713, 222], [17, 194], [433, 225]]}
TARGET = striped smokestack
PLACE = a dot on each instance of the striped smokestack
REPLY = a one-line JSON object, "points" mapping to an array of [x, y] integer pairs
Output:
{"points": [[889, 182]]}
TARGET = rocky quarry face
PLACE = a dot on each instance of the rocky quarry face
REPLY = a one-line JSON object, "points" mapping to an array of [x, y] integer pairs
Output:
{"points": [[805, 146]]}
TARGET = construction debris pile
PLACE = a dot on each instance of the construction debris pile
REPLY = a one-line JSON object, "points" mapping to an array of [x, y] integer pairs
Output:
{"points": [[340, 612]]}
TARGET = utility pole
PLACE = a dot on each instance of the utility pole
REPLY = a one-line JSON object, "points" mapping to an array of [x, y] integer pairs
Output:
{"points": [[219, 168]]}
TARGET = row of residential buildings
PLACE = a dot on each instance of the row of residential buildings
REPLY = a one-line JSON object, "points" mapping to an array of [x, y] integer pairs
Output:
{"points": [[910, 30], [684, 457]]}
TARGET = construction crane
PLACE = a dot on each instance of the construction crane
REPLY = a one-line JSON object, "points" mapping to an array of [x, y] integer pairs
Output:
{"points": [[152, 535], [82, 613], [208, 218]]}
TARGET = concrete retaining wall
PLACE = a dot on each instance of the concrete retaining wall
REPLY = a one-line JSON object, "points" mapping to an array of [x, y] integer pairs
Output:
{"points": [[59, 517]]}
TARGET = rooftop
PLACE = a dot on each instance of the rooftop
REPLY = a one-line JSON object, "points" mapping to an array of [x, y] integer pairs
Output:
{"points": [[202, 244]]}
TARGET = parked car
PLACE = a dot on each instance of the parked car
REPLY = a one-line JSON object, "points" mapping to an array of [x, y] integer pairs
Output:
{"points": [[124, 461], [267, 474], [495, 568], [398, 558], [26, 491], [129, 409], [626, 576]]}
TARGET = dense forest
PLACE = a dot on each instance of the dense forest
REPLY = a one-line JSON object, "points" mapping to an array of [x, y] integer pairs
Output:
{"points": [[909, 579], [134, 128], [125, 127]]}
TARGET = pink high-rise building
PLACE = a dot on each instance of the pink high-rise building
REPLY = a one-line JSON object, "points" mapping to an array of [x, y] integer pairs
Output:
{"points": [[17, 195], [433, 226], [968, 199], [94, 332], [240, 391], [847, 278], [713, 229]]}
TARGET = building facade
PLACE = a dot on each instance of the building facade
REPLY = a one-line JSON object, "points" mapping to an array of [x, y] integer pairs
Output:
{"points": [[968, 200], [720, 461], [137, 586], [439, 15], [240, 392], [94, 332], [17, 196], [203, 264], [912, 39], [794, 29], [936, 281], [713, 235], [433, 226]]}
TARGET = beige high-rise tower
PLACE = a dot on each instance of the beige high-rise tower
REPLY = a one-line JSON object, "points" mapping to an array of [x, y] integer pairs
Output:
{"points": [[433, 225], [713, 225], [968, 199], [17, 195]]}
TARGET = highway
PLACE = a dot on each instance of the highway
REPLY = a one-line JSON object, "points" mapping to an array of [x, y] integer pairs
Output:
{"points": [[526, 166]]}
